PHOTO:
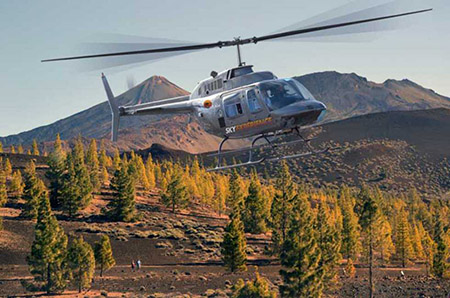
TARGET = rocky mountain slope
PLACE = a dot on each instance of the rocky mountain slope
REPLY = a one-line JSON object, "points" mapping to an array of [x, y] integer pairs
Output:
{"points": [[346, 95]]}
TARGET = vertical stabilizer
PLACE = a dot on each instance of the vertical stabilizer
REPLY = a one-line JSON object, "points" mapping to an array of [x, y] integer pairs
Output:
{"points": [[114, 109]]}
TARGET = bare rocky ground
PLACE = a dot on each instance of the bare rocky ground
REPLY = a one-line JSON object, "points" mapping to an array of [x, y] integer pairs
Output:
{"points": [[181, 257]]}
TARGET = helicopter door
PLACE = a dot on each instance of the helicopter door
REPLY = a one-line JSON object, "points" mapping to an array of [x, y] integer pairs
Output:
{"points": [[234, 109], [255, 106]]}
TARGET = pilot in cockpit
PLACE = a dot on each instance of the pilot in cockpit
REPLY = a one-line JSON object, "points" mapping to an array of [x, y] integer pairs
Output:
{"points": [[275, 90]]}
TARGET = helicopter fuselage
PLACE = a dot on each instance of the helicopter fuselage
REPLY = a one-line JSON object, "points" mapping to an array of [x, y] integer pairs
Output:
{"points": [[258, 108]]}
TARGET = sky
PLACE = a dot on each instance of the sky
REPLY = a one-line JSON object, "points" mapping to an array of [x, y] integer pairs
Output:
{"points": [[35, 94]]}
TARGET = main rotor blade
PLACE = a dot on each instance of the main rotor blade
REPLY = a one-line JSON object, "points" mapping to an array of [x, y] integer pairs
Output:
{"points": [[352, 11], [235, 42], [150, 51], [326, 27]]}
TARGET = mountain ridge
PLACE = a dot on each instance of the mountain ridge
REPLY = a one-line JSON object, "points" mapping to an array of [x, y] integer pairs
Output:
{"points": [[349, 95]]}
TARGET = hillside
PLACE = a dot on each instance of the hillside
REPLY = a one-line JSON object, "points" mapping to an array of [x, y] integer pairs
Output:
{"points": [[346, 95], [427, 130], [392, 150]]}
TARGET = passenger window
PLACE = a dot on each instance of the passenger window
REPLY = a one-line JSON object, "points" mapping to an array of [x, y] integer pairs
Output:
{"points": [[232, 105], [253, 103], [231, 110]]}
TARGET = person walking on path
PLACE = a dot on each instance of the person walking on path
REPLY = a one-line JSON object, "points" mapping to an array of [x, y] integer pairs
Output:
{"points": [[138, 264]]}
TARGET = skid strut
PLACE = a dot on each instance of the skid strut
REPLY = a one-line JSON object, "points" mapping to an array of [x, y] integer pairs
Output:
{"points": [[270, 144]]}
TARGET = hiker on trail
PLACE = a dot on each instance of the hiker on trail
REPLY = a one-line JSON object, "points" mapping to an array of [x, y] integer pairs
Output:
{"points": [[132, 265], [138, 264]]}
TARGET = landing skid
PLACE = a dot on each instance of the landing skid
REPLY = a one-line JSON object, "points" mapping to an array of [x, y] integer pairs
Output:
{"points": [[220, 154]]}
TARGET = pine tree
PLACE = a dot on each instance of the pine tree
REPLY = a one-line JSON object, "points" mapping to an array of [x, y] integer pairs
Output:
{"points": [[417, 243], [55, 172], [440, 265], [116, 160], [103, 159], [384, 242], [234, 245], [3, 191], [254, 215], [350, 231], [8, 168], [428, 250], [157, 173], [103, 254], [206, 188], [1, 147], [48, 251], [76, 192], [104, 176], [220, 193], [35, 148], [33, 191], [92, 164], [369, 219], [235, 199], [195, 169], [300, 255], [175, 195], [141, 172], [81, 261], [403, 246], [150, 168], [20, 149], [132, 167], [165, 178], [122, 207], [12, 149], [257, 288], [192, 181], [71, 199], [282, 206], [16, 187], [329, 244]]}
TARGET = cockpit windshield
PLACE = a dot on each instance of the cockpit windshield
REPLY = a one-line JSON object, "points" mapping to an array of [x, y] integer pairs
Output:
{"points": [[280, 93]]}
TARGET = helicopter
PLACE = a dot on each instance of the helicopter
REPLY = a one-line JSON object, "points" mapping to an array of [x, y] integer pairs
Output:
{"points": [[239, 102]]}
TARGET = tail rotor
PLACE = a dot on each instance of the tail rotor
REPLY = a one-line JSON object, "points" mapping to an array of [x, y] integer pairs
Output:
{"points": [[115, 113]]}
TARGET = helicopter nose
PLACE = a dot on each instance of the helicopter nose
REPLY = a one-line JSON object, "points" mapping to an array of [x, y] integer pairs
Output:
{"points": [[301, 113], [302, 107]]}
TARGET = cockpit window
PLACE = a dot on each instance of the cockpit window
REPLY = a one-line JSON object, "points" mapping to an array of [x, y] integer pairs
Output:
{"points": [[281, 93], [253, 103]]}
